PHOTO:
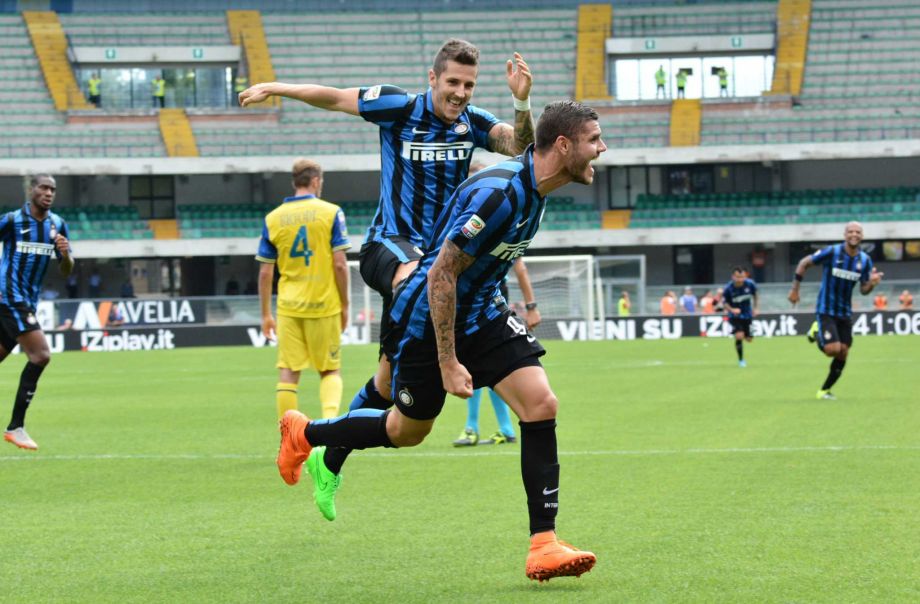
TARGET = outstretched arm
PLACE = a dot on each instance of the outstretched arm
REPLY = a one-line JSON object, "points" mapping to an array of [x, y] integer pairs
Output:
{"points": [[442, 300], [502, 137], [323, 97], [804, 264]]}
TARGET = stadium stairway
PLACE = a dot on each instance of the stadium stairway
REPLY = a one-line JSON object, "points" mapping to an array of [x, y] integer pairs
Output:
{"points": [[594, 25], [246, 30], [685, 122], [178, 137], [793, 18], [51, 49]]}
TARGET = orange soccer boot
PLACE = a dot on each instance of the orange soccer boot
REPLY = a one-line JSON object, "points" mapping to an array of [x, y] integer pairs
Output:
{"points": [[550, 558], [294, 448]]}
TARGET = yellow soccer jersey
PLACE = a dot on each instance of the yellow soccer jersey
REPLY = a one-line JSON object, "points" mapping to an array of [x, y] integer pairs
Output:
{"points": [[300, 236]]}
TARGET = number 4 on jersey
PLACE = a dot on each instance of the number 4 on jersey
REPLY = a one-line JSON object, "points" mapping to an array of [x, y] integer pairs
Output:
{"points": [[301, 248]]}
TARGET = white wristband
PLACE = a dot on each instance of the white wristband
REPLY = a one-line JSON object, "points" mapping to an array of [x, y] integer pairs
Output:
{"points": [[521, 105]]}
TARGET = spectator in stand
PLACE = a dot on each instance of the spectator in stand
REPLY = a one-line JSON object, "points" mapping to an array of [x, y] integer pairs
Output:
{"points": [[95, 284], [116, 318], [668, 303], [906, 300], [880, 302], [707, 303], [688, 301], [127, 289], [624, 305]]}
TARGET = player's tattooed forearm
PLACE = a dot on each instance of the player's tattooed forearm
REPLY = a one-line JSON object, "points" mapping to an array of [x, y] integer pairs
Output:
{"points": [[523, 129], [442, 296]]}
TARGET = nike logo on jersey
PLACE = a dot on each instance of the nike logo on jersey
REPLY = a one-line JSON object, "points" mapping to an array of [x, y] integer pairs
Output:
{"points": [[523, 222], [417, 131], [24, 231], [549, 491]]}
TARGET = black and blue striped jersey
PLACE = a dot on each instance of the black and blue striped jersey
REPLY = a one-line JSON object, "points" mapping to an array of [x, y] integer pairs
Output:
{"points": [[28, 245], [493, 217], [740, 297], [422, 159], [841, 274]]}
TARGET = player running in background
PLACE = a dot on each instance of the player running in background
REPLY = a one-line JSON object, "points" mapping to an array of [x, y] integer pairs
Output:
{"points": [[845, 265], [427, 142], [30, 237], [306, 238], [737, 296], [451, 333]]}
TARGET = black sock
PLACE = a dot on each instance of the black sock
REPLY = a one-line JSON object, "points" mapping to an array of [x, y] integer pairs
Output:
{"points": [[739, 346], [540, 471], [28, 381], [833, 375], [361, 429], [368, 398]]}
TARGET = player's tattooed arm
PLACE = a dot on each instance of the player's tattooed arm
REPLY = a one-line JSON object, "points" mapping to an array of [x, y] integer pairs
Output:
{"points": [[442, 296], [512, 141]]}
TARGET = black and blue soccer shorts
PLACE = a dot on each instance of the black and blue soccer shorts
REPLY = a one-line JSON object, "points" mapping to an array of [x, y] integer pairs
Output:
{"points": [[834, 329], [743, 325], [490, 354], [15, 320]]}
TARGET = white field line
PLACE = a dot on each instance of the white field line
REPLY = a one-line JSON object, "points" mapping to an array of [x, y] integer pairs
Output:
{"points": [[462, 454]]}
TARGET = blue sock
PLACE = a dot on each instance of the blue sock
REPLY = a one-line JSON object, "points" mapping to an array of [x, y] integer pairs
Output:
{"points": [[502, 414], [369, 398], [472, 411]]}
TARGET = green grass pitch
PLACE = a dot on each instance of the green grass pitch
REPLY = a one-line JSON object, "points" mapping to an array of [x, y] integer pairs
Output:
{"points": [[692, 480]]}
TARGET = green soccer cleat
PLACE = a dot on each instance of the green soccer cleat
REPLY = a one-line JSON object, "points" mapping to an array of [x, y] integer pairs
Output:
{"points": [[325, 483], [812, 334], [499, 439], [825, 395], [468, 438]]}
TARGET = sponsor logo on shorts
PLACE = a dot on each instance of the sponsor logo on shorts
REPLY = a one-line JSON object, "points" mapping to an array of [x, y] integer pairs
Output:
{"points": [[371, 94], [473, 226], [405, 397]]}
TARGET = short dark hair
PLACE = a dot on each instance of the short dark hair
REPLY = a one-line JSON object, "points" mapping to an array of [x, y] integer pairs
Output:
{"points": [[459, 51], [739, 269], [33, 180], [305, 170], [562, 118]]}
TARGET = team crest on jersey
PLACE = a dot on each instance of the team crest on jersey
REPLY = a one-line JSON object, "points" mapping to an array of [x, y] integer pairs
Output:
{"points": [[371, 94], [473, 226], [461, 128], [30, 319], [52, 232], [859, 266]]}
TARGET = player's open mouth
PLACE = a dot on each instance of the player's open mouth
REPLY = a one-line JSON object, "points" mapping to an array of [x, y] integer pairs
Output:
{"points": [[455, 103]]}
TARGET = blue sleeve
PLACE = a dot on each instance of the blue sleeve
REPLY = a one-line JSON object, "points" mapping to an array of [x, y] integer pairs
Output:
{"points": [[482, 122], [727, 293], [753, 286], [383, 104], [821, 256], [6, 223], [482, 223], [267, 250], [867, 269], [63, 230], [339, 239]]}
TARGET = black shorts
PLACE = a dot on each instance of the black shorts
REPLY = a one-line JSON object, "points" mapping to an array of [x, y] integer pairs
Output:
{"points": [[834, 329], [490, 354], [15, 320], [378, 261], [741, 325]]}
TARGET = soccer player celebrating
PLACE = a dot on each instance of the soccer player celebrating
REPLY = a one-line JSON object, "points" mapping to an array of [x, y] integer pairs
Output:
{"points": [[736, 299], [451, 333], [306, 238], [427, 142], [844, 265], [30, 237]]}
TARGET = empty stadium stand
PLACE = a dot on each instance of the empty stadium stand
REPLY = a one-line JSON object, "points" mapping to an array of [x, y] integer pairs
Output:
{"points": [[790, 207]]}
